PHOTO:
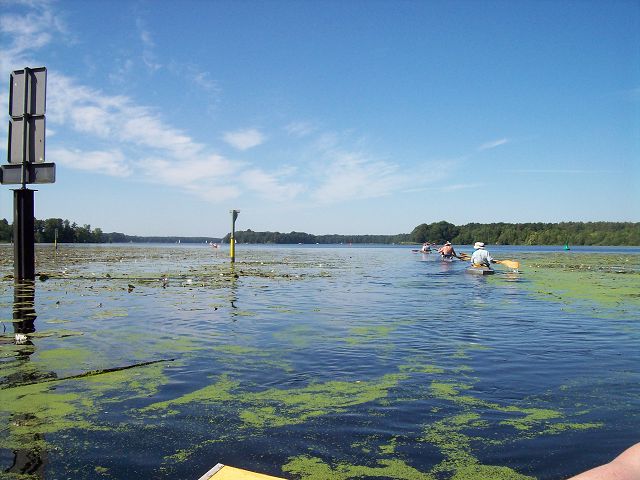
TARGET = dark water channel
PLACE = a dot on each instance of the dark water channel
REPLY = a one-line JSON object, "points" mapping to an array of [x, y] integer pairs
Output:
{"points": [[317, 363]]}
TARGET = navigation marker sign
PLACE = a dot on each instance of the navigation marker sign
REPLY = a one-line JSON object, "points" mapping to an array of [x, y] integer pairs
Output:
{"points": [[28, 91], [26, 152], [26, 162]]}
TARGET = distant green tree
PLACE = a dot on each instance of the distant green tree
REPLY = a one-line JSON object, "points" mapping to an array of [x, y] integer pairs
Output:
{"points": [[420, 234], [441, 232], [83, 234], [574, 233], [6, 231], [52, 227], [98, 236]]}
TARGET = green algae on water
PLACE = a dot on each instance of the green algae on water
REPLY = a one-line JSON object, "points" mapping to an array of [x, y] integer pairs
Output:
{"points": [[35, 410], [313, 468], [368, 333], [488, 472], [606, 281], [64, 359], [279, 407], [211, 394]]}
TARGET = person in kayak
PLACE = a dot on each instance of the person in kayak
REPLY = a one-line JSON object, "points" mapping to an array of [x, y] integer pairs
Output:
{"points": [[447, 251], [481, 257], [425, 248]]}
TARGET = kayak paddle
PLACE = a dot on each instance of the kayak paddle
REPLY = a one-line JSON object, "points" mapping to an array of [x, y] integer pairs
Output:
{"points": [[509, 263]]}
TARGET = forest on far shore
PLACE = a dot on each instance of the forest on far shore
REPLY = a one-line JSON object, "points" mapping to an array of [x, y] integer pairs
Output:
{"points": [[573, 233]]}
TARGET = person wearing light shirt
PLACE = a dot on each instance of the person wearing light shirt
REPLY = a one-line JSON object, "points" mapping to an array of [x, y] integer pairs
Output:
{"points": [[481, 257]]}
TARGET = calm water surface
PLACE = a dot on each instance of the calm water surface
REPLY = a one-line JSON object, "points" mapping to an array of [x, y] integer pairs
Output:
{"points": [[317, 363]]}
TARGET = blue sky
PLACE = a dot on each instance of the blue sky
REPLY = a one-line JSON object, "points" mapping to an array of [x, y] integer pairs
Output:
{"points": [[325, 116]]}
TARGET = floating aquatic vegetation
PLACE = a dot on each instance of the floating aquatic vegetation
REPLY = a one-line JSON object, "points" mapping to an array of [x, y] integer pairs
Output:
{"points": [[606, 281], [279, 407], [312, 468], [55, 405], [369, 333], [303, 362]]}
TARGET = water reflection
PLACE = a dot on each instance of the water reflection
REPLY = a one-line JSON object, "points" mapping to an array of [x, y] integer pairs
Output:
{"points": [[29, 462], [24, 312], [26, 461], [233, 289]]}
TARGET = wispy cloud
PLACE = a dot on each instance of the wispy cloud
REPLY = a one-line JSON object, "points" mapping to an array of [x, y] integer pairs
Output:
{"points": [[189, 171], [244, 139], [124, 67], [270, 186], [138, 141], [351, 175], [300, 129], [110, 163], [558, 171], [149, 57], [114, 135], [25, 33], [493, 144], [461, 186], [29, 27], [204, 81]]}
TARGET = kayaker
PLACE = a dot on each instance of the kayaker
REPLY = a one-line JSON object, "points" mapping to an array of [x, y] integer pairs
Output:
{"points": [[481, 257], [425, 248], [447, 251]]}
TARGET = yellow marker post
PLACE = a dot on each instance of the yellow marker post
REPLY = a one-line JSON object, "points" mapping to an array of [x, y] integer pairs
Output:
{"points": [[232, 240]]}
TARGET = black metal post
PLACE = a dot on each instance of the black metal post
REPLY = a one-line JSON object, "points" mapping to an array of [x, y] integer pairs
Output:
{"points": [[23, 235]]}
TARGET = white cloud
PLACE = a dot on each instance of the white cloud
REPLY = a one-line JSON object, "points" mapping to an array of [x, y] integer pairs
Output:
{"points": [[148, 46], [186, 172], [204, 81], [352, 176], [269, 186], [155, 151], [114, 118], [124, 68], [22, 33], [559, 171], [461, 186], [244, 139], [110, 163], [493, 144], [116, 136], [214, 193], [300, 129]]}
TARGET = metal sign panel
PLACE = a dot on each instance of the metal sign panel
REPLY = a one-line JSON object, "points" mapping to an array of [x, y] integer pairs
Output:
{"points": [[35, 173], [35, 80], [35, 135]]}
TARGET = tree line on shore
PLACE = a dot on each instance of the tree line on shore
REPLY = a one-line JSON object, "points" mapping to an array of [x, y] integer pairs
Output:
{"points": [[573, 233], [63, 231]]}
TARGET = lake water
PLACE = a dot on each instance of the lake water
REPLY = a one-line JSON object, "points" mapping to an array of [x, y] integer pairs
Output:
{"points": [[317, 363]]}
